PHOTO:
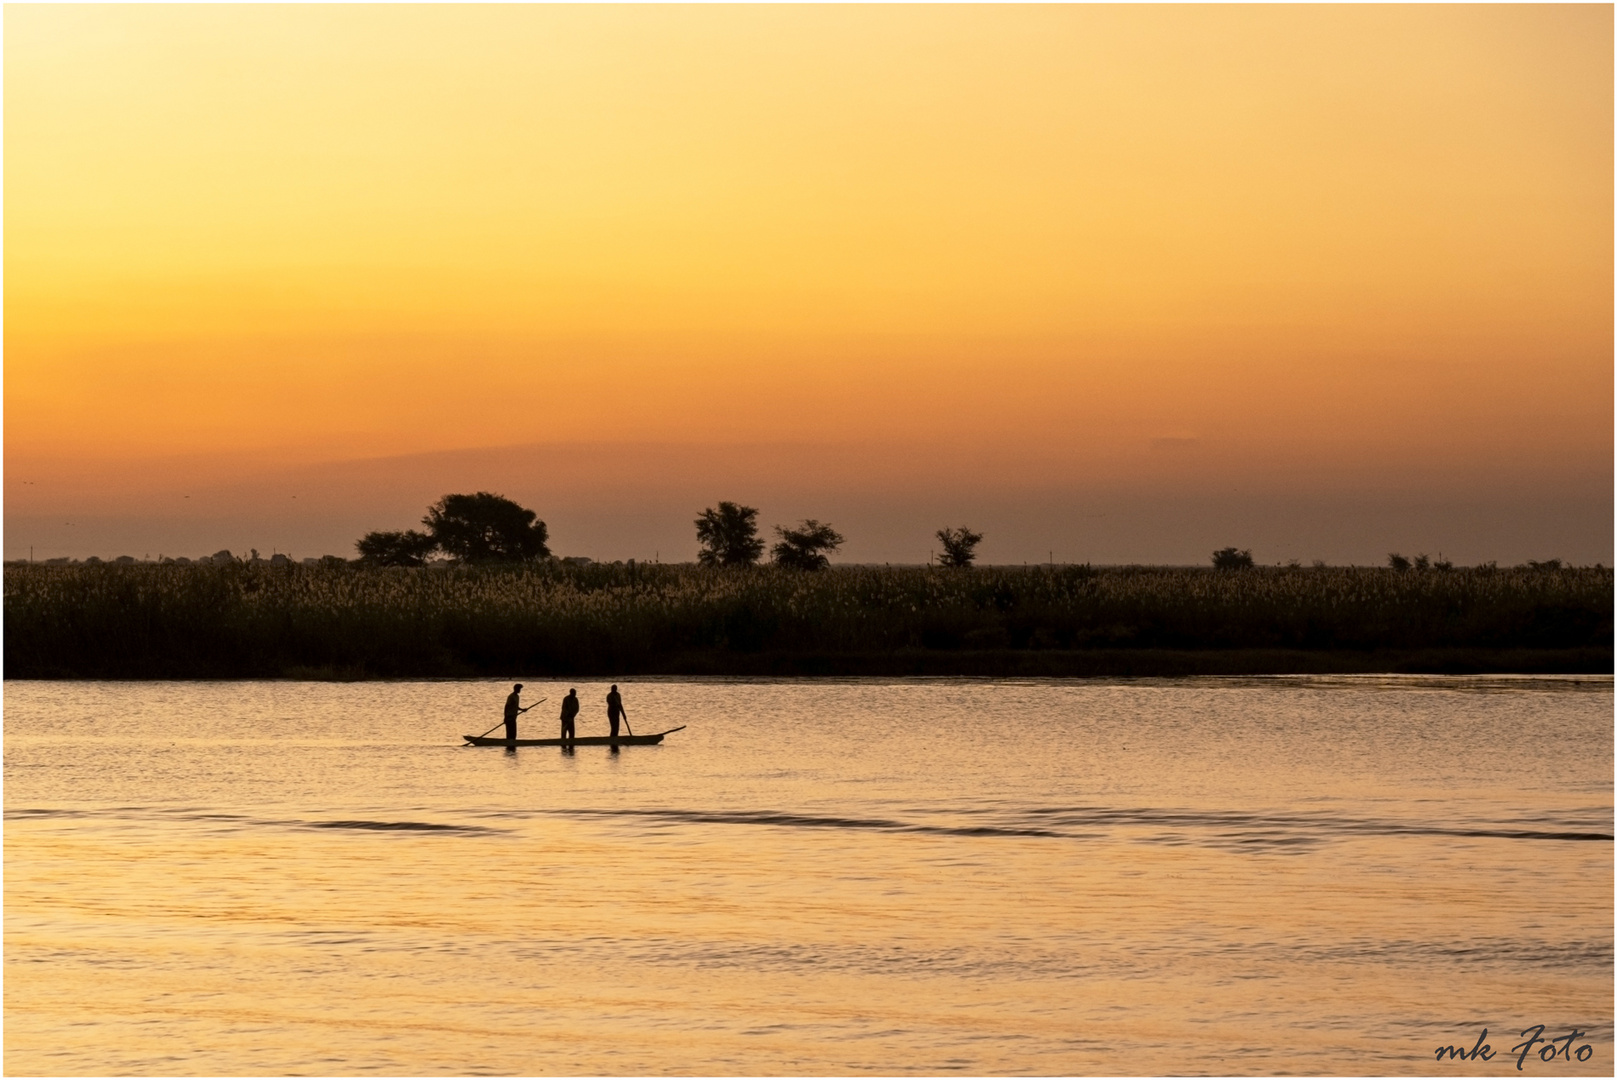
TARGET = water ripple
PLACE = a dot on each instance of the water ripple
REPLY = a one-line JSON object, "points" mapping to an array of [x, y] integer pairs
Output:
{"points": [[242, 820], [1244, 831], [811, 821], [383, 826], [1234, 830]]}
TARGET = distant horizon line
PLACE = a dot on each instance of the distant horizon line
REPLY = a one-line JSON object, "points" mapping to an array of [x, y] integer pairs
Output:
{"points": [[285, 558]]}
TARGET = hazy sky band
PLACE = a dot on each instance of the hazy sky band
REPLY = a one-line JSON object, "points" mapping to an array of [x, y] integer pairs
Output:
{"points": [[1361, 249]]}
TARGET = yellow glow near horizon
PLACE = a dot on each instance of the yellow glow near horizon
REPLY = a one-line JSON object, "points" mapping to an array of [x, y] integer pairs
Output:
{"points": [[1345, 233]]}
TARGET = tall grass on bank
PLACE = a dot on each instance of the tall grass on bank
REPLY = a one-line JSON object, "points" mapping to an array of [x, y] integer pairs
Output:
{"points": [[250, 620]]}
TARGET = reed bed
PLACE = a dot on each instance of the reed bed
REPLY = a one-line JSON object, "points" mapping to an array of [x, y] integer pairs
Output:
{"points": [[254, 620]]}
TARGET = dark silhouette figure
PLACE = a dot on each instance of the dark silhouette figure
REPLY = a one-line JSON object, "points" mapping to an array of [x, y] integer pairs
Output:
{"points": [[804, 547], [959, 547], [615, 712], [513, 709], [729, 536], [569, 711]]}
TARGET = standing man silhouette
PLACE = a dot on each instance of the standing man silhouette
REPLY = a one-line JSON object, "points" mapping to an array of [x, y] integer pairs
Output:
{"points": [[513, 709], [615, 712], [569, 709]]}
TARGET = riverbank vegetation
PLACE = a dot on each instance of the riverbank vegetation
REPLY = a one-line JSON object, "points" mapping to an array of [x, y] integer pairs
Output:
{"points": [[256, 620]]}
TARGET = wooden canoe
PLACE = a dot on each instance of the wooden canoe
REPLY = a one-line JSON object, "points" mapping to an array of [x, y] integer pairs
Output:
{"points": [[582, 740]]}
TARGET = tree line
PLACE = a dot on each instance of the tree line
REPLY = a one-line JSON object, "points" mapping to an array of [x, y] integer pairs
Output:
{"points": [[484, 528]]}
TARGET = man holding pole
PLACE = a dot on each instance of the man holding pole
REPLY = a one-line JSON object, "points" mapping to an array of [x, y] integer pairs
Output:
{"points": [[615, 712], [514, 709]]}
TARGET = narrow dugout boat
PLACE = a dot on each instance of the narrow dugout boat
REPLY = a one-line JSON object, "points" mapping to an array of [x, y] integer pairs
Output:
{"points": [[582, 740]]}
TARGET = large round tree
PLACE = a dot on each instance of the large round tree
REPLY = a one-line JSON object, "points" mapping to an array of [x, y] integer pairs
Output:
{"points": [[485, 528]]}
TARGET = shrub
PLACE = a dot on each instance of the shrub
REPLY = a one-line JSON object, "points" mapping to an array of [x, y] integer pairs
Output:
{"points": [[395, 548], [805, 547], [959, 546]]}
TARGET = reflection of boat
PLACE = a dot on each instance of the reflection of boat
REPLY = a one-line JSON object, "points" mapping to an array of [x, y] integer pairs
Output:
{"points": [[583, 740]]}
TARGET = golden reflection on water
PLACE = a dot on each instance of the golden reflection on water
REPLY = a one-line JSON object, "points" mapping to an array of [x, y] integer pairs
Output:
{"points": [[539, 940]]}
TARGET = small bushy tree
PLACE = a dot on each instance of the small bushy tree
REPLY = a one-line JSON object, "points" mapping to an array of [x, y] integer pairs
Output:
{"points": [[1398, 562], [805, 547], [728, 535], [1232, 559], [959, 546], [485, 528], [409, 548]]}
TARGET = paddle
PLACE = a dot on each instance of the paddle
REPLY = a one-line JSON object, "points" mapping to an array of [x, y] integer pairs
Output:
{"points": [[501, 724]]}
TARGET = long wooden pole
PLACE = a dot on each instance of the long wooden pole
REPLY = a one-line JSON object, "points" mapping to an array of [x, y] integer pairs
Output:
{"points": [[501, 724]]}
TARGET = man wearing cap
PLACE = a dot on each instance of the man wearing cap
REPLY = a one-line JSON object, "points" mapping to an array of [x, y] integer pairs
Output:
{"points": [[513, 709]]}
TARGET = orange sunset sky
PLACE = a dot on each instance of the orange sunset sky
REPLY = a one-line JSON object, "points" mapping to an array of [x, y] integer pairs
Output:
{"points": [[1108, 284]]}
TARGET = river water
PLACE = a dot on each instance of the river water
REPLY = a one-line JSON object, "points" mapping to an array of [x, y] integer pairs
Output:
{"points": [[1298, 875]]}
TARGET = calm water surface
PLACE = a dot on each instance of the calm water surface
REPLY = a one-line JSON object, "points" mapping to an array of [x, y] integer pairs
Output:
{"points": [[1301, 875]]}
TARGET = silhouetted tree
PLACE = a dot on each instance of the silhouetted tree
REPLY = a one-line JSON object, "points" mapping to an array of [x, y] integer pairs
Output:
{"points": [[804, 547], [1232, 559], [1398, 562], [959, 546], [728, 535], [408, 548], [485, 528]]}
